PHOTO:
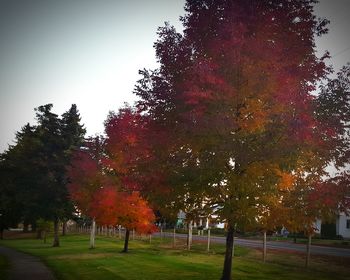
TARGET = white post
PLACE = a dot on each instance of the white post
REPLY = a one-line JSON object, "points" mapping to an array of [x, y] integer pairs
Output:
{"points": [[264, 247], [208, 245], [189, 236], [174, 237], [92, 234]]}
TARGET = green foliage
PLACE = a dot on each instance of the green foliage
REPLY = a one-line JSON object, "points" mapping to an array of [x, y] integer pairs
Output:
{"points": [[33, 170], [44, 225]]}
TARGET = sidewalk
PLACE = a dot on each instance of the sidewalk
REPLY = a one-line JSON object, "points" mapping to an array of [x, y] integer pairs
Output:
{"points": [[23, 266]]}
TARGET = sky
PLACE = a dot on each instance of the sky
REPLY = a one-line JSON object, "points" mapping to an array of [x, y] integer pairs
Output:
{"points": [[89, 52]]}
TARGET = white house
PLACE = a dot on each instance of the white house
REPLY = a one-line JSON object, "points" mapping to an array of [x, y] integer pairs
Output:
{"points": [[342, 225]]}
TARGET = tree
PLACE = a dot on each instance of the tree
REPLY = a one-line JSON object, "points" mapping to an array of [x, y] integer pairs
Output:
{"points": [[21, 175], [10, 210], [36, 166], [127, 153], [136, 215], [86, 177], [58, 139], [233, 94], [332, 107], [112, 207], [72, 133], [317, 194]]}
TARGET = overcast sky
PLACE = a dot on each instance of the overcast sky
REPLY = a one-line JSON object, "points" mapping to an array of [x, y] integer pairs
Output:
{"points": [[89, 52]]}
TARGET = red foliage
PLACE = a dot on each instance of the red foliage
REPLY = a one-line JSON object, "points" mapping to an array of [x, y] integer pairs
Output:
{"points": [[136, 214], [105, 205], [85, 178], [111, 207], [126, 146]]}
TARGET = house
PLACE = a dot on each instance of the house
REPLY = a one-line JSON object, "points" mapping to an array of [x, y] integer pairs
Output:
{"points": [[341, 224]]}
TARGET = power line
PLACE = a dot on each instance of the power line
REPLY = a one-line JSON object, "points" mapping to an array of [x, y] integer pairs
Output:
{"points": [[342, 51]]}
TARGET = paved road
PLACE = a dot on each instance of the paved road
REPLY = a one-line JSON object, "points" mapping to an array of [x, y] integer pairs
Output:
{"points": [[25, 267], [274, 245]]}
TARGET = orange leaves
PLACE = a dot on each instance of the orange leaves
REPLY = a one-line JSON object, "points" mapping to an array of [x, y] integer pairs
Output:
{"points": [[253, 116], [136, 214], [111, 207], [286, 180]]}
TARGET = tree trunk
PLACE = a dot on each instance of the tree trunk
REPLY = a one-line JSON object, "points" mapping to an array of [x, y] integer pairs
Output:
{"points": [[56, 240], [126, 241], [64, 228], [264, 247], [308, 250], [119, 232], [189, 236], [133, 234], [161, 233], [200, 232], [1, 234], [92, 234], [226, 273], [208, 244], [44, 236], [150, 238]]}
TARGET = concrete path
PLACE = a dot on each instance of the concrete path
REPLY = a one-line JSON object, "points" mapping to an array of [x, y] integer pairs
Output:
{"points": [[25, 267]]}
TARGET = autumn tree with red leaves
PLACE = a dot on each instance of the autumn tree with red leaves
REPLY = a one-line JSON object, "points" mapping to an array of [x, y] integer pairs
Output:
{"points": [[233, 95], [103, 194], [86, 178], [128, 151], [135, 214]]}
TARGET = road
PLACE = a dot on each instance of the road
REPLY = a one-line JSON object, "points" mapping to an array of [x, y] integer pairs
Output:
{"points": [[274, 245]]}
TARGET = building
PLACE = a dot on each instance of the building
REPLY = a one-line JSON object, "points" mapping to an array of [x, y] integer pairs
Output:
{"points": [[342, 225]]}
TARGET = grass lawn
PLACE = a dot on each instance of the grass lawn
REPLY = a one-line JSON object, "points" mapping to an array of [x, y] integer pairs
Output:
{"points": [[4, 265], [73, 260], [314, 241]]}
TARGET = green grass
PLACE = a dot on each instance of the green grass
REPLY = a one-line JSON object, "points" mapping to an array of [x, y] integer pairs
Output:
{"points": [[73, 260], [4, 266]]}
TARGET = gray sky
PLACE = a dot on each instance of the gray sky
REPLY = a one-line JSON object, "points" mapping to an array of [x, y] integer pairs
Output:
{"points": [[89, 53]]}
